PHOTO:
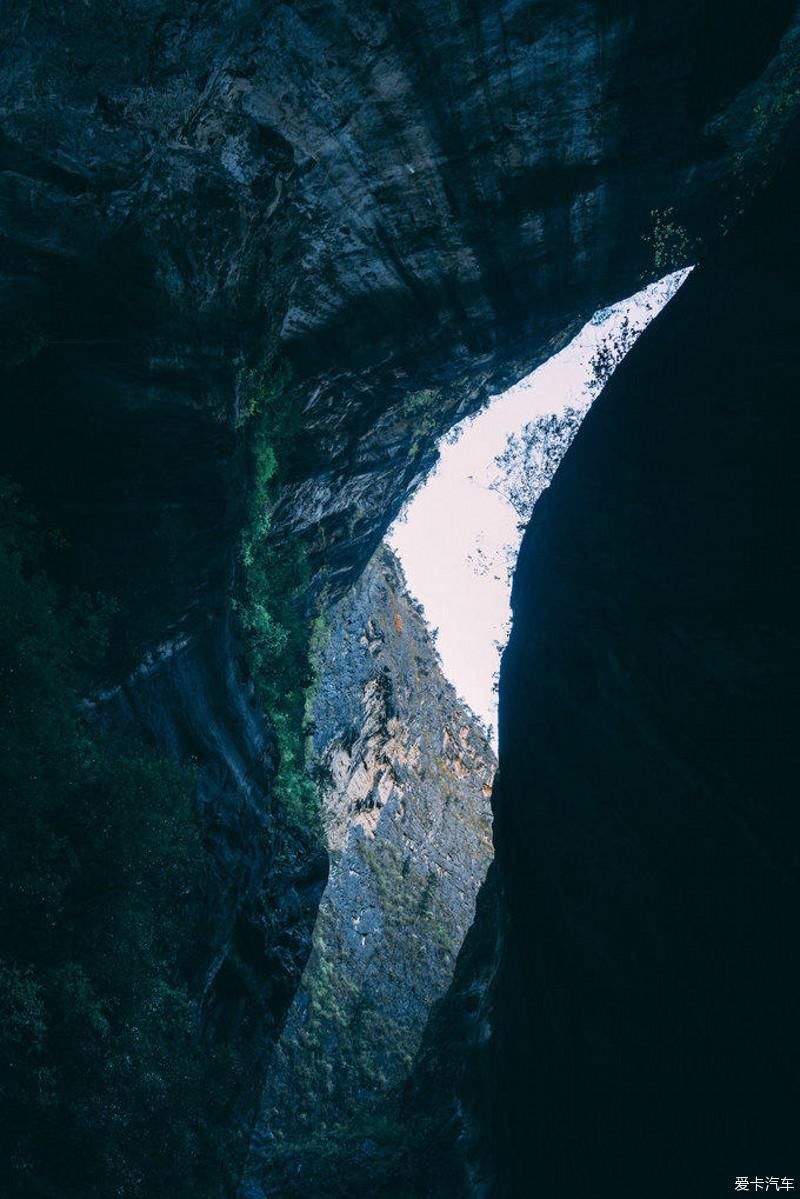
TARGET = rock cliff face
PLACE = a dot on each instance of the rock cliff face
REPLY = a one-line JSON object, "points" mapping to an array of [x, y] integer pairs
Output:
{"points": [[630, 1022], [407, 774], [411, 204]]}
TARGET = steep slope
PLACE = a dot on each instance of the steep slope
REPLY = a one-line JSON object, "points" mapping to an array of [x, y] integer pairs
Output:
{"points": [[407, 774]]}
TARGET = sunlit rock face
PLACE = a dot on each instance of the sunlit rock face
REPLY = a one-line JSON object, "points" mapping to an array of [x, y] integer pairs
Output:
{"points": [[406, 776], [630, 1021]]}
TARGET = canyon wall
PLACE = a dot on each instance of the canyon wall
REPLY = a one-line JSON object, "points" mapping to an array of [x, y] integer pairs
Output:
{"points": [[405, 776], [623, 1015], [411, 206], [407, 207]]}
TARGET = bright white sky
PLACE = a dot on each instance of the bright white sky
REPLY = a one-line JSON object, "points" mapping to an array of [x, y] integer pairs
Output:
{"points": [[455, 514]]}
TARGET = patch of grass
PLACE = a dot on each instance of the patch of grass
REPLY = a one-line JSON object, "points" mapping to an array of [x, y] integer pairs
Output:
{"points": [[403, 901]]}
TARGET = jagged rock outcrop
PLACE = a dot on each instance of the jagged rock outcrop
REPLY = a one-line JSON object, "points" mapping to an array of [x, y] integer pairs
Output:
{"points": [[630, 1023], [406, 775]]}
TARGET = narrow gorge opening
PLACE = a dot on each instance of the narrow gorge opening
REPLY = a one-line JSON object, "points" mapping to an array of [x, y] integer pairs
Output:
{"points": [[404, 752], [258, 259], [458, 537]]}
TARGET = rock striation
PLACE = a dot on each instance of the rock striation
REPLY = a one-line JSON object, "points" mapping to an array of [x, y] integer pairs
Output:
{"points": [[257, 899], [413, 206]]}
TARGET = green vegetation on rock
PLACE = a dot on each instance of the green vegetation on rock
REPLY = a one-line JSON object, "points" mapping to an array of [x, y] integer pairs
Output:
{"points": [[420, 408], [382, 1151], [670, 242], [282, 638]]}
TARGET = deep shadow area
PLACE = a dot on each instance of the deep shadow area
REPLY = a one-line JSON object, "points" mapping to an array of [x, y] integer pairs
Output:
{"points": [[644, 1014], [115, 424]]}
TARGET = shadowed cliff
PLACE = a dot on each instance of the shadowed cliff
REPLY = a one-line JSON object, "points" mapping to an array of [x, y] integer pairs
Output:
{"points": [[624, 1012]]}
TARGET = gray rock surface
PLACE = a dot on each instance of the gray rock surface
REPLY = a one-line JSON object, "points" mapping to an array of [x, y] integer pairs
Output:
{"points": [[407, 773]]}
